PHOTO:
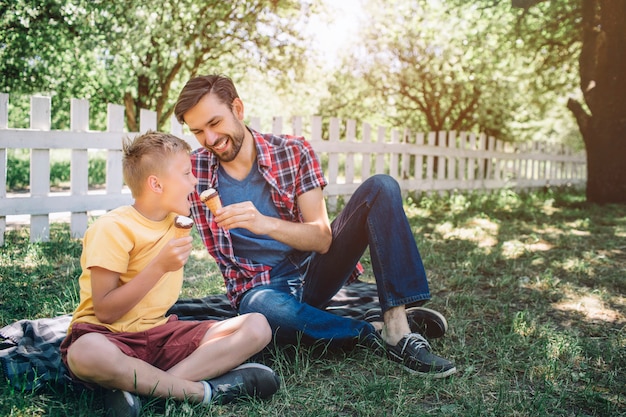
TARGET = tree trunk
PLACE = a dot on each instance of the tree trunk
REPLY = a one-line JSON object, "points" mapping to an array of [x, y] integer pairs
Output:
{"points": [[131, 112], [603, 82]]}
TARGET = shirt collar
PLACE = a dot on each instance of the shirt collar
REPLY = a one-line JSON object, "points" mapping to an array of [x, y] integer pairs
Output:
{"points": [[263, 151]]}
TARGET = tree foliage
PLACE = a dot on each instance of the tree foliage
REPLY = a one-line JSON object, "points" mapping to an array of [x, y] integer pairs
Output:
{"points": [[47, 48], [140, 54], [459, 65]]}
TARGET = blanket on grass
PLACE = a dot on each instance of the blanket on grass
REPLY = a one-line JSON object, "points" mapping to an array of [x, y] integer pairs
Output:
{"points": [[29, 349]]}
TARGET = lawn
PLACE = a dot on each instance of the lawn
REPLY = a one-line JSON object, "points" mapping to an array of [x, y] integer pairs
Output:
{"points": [[533, 286]]}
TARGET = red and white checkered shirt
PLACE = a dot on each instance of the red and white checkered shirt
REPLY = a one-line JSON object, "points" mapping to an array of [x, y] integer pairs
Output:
{"points": [[291, 168]]}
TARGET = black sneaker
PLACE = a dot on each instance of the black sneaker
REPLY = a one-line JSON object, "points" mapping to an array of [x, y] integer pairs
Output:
{"points": [[119, 403], [247, 380], [430, 323], [413, 352]]}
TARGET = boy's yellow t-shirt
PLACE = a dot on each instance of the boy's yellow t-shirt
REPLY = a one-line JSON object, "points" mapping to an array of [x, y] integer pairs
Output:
{"points": [[124, 241]]}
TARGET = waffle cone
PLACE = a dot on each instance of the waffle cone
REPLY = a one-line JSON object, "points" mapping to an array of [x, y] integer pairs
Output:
{"points": [[180, 232], [214, 203]]}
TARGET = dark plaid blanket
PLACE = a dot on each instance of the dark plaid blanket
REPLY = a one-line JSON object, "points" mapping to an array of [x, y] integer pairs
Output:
{"points": [[29, 352], [29, 349]]}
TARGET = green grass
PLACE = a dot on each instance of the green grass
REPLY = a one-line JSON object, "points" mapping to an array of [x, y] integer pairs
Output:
{"points": [[533, 286]]}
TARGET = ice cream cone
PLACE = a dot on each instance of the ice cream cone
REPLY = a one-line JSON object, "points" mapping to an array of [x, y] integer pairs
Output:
{"points": [[182, 226], [211, 198]]}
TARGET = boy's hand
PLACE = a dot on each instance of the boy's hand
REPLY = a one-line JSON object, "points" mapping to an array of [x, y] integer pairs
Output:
{"points": [[174, 254], [111, 301]]}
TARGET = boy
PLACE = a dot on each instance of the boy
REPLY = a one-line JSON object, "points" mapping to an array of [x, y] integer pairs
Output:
{"points": [[119, 337]]}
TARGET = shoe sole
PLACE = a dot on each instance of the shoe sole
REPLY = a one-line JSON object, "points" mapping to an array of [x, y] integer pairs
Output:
{"points": [[254, 365], [434, 375]]}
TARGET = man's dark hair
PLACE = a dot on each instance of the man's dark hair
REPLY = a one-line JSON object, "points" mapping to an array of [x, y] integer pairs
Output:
{"points": [[198, 87]]}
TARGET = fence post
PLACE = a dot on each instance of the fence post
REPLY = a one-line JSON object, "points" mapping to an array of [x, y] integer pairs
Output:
{"points": [[350, 138], [176, 128], [430, 162], [419, 162], [405, 174], [519, 165], [4, 123], [277, 125], [147, 120], [115, 123], [79, 167], [366, 162], [380, 157], [462, 168], [296, 125], [394, 157], [255, 123], [452, 160], [316, 128], [482, 146], [40, 168], [333, 158], [499, 162], [489, 161]]}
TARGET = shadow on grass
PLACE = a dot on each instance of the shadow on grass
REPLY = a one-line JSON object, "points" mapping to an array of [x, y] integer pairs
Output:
{"points": [[532, 285]]}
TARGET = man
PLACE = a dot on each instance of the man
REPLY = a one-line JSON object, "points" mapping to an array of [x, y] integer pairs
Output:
{"points": [[279, 253]]}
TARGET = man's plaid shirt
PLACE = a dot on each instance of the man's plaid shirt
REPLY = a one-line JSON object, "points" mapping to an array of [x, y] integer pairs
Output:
{"points": [[291, 168]]}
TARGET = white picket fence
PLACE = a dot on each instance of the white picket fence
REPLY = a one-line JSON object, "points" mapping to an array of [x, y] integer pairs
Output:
{"points": [[435, 161]]}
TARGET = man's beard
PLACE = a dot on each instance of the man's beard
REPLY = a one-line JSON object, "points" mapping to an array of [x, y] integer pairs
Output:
{"points": [[236, 142]]}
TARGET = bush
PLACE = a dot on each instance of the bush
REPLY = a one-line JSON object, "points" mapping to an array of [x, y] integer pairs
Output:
{"points": [[59, 172], [18, 172], [97, 171]]}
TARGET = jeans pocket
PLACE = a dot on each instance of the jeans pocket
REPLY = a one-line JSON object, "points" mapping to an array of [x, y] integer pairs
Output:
{"points": [[296, 285]]}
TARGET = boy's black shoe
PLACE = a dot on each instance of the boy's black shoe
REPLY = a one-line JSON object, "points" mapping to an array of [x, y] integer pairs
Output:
{"points": [[425, 321], [118, 403], [247, 380], [413, 352]]}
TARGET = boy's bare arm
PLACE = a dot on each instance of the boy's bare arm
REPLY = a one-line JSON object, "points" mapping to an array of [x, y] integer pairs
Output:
{"points": [[112, 301]]}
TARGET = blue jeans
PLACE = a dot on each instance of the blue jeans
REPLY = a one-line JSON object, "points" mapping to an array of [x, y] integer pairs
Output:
{"points": [[303, 284]]}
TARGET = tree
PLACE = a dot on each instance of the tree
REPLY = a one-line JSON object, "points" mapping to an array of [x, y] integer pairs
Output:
{"points": [[140, 54], [176, 42], [602, 67], [48, 49], [450, 66]]}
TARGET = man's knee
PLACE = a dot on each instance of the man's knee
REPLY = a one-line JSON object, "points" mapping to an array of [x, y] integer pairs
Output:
{"points": [[383, 184], [277, 307]]}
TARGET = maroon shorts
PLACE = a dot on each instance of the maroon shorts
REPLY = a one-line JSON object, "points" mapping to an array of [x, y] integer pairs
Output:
{"points": [[163, 346]]}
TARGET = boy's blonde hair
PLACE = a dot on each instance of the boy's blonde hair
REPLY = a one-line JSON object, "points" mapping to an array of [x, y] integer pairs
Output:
{"points": [[148, 154]]}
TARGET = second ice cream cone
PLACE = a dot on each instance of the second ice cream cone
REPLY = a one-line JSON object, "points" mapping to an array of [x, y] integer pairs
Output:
{"points": [[211, 198]]}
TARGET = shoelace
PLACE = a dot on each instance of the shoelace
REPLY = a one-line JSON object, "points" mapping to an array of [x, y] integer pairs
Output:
{"points": [[416, 340]]}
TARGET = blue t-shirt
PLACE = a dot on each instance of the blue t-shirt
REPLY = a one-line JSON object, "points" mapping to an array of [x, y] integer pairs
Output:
{"points": [[259, 248]]}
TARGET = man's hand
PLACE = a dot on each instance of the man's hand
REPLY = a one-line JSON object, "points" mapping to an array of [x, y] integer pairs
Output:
{"points": [[313, 234], [244, 215]]}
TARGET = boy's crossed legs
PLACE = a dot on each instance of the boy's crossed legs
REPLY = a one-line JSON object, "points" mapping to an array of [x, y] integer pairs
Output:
{"points": [[173, 360]]}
